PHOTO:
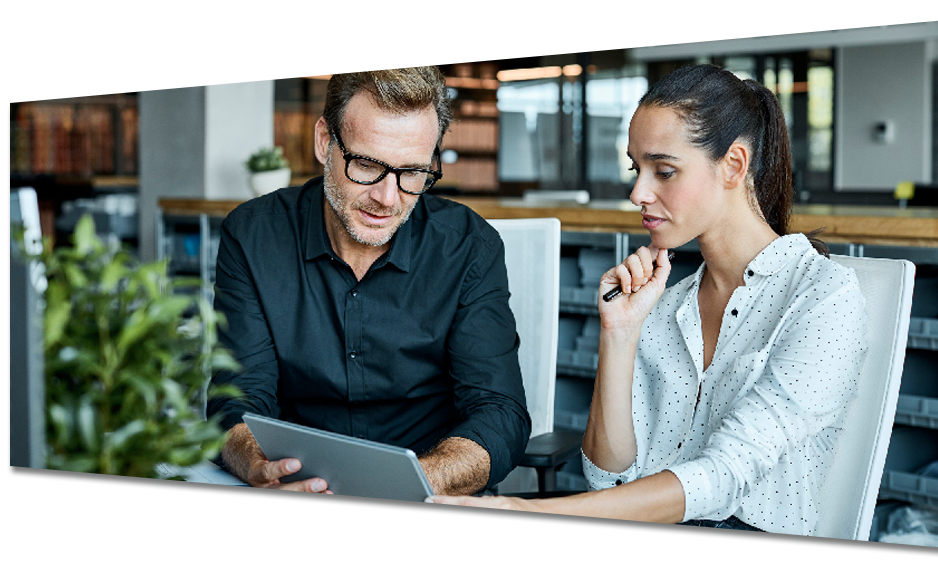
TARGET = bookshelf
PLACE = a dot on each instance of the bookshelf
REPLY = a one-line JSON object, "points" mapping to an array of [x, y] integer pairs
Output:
{"points": [[293, 130], [75, 137], [473, 140], [98, 136], [471, 145]]}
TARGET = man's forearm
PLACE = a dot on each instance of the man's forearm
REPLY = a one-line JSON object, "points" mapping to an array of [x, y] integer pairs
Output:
{"points": [[457, 466], [240, 450]]}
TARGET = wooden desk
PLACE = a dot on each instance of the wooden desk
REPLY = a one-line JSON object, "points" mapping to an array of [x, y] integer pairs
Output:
{"points": [[347, 531], [844, 224]]}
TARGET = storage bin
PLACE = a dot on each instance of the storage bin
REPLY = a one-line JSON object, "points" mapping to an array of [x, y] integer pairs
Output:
{"points": [[923, 333], [917, 411], [911, 488], [579, 300], [593, 263]]}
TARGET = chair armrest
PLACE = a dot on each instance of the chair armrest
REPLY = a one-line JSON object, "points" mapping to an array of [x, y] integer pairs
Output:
{"points": [[552, 449]]}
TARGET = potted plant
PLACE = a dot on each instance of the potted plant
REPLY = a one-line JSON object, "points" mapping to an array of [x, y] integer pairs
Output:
{"points": [[269, 170], [128, 355]]}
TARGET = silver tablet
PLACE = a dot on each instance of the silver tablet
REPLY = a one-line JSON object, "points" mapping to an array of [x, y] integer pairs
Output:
{"points": [[350, 466]]}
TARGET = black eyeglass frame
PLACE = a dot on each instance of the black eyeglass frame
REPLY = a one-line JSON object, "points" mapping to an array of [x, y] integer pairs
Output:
{"points": [[434, 176]]}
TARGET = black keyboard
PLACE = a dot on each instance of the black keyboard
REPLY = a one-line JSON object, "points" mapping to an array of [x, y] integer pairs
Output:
{"points": [[196, 530]]}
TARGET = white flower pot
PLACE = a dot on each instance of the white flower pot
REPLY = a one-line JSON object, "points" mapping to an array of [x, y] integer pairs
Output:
{"points": [[272, 180]]}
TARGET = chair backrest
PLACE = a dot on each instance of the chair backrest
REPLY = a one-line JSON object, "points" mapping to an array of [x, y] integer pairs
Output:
{"points": [[848, 494], [532, 254]]}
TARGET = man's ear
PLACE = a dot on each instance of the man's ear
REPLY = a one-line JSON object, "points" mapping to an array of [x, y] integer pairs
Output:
{"points": [[735, 165], [321, 139]]}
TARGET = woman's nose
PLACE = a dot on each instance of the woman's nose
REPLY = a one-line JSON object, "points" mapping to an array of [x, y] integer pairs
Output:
{"points": [[642, 193]]}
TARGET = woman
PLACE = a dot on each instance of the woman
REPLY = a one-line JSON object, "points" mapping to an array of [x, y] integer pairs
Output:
{"points": [[718, 400]]}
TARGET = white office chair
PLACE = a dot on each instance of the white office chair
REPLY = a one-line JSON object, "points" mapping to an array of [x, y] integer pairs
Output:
{"points": [[848, 495], [532, 254]]}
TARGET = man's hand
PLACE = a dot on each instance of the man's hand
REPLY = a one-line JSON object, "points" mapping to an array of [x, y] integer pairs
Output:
{"points": [[267, 474], [245, 459]]}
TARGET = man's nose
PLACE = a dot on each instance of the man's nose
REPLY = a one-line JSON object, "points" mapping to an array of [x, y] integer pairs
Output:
{"points": [[385, 191]]}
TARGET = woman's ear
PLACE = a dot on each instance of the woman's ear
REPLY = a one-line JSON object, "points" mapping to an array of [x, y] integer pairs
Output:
{"points": [[735, 165]]}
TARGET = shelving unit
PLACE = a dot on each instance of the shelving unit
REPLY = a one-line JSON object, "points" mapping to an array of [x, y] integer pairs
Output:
{"points": [[914, 443], [188, 236]]}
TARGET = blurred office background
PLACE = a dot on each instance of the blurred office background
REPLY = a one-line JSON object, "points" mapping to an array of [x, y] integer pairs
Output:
{"points": [[860, 106]]}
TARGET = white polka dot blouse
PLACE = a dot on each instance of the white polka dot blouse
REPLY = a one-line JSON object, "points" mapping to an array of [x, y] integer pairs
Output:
{"points": [[758, 443]]}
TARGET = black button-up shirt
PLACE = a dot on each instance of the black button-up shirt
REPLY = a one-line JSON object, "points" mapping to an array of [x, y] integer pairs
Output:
{"points": [[423, 348]]}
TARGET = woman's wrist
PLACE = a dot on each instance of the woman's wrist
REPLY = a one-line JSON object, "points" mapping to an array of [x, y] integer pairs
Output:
{"points": [[620, 335]]}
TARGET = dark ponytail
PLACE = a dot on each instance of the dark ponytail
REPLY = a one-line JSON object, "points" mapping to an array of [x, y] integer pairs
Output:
{"points": [[719, 109]]}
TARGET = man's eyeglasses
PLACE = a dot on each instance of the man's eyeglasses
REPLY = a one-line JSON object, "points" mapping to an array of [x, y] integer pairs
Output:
{"points": [[368, 171]]}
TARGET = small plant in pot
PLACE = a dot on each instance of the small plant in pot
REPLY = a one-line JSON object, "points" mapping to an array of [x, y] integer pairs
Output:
{"points": [[128, 355], [269, 170]]}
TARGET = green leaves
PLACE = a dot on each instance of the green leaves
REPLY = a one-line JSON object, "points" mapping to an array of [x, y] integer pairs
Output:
{"points": [[121, 436], [58, 311], [85, 239], [267, 159], [127, 362], [87, 426]]}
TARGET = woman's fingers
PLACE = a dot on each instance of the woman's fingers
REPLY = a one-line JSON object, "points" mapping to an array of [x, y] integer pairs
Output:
{"points": [[635, 272], [626, 278], [663, 264]]}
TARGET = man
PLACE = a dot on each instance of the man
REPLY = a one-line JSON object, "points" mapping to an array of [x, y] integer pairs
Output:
{"points": [[361, 305]]}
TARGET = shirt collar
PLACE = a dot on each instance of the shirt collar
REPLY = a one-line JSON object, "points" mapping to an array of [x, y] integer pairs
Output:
{"points": [[774, 256], [402, 243], [317, 239], [769, 261]]}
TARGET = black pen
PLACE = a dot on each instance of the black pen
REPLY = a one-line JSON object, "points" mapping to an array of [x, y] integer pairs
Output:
{"points": [[608, 297]]}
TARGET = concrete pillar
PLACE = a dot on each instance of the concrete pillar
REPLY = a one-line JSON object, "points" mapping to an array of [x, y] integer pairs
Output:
{"points": [[193, 143]]}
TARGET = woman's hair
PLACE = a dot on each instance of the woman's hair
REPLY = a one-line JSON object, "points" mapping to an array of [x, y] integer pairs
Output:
{"points": [[399, 90], [718, 109]]}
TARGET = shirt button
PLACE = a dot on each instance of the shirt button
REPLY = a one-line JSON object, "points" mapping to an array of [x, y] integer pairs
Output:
{"points": [[751, 273], [352, 355], [618, 482], [678, 445], [734, 312], [354, 293]]}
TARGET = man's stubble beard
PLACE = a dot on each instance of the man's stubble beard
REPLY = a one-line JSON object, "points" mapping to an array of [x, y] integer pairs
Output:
{"points": [[338, 200]]}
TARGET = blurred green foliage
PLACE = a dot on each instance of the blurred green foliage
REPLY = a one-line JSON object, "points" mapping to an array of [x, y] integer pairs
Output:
{"points": [[128, 355], [267, 159]]}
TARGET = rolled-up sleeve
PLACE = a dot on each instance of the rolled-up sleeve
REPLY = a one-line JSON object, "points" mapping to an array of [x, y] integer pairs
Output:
{"points": [[809, 379], [483, 349], [246, 334]]}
